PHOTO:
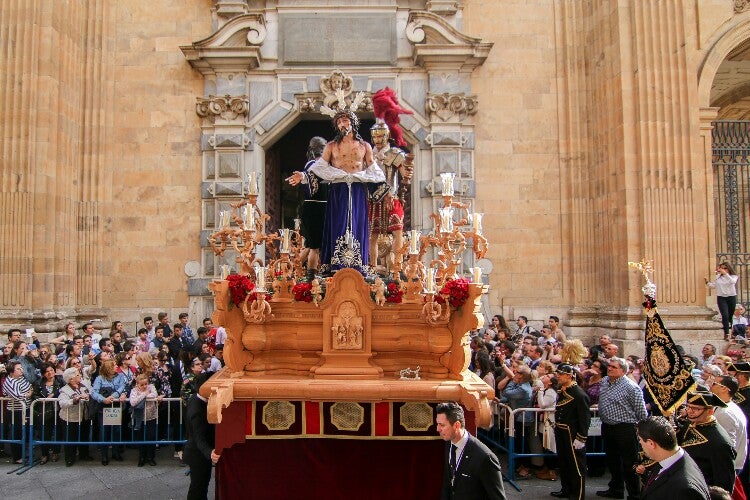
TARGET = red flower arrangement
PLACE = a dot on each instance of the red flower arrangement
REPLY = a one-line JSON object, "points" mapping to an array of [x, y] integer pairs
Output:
{"points": [[456, 292], [302, 292], [393, 293], [240, 287]]}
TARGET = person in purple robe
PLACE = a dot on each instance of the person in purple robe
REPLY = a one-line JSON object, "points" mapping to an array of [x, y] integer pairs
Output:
{"points": [[354, 177]]}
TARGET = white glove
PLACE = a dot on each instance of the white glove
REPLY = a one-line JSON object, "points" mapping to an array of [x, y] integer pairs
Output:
{"points": [[578, 445]]}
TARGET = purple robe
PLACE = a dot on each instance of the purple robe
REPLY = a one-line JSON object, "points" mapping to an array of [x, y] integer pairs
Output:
{"points": [[346, 229]]}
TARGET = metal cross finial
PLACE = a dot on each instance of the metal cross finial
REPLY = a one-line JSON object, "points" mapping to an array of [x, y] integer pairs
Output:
{"points": [[646, 267]]}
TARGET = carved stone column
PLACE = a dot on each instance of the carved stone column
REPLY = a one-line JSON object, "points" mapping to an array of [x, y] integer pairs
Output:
{"points": [[53, 183], [637, 190]]}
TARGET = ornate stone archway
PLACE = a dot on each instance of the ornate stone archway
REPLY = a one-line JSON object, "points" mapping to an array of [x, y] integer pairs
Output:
{"points": [[262, 76], [722, 95]]}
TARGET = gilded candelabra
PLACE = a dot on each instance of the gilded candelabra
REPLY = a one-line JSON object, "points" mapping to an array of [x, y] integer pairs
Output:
{"points": [[283, 259], [423, 283], [454, 228]]}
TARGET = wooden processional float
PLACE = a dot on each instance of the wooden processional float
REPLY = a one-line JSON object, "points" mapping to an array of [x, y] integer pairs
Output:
{"points": [[401, 338]]}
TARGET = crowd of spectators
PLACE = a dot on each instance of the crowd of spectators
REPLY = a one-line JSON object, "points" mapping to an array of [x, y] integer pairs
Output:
{"points": [[523, 365], [86, 372]]}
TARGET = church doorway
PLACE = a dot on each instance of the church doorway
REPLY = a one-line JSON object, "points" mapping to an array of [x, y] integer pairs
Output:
{"points": [[288, 154]]}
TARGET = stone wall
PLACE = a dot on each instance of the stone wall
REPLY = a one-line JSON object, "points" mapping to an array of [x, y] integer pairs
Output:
{"points": [[588, 147]]}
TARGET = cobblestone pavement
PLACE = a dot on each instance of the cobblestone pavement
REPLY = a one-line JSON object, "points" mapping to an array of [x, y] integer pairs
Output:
{"points": [[124, 480], [118, 480]]}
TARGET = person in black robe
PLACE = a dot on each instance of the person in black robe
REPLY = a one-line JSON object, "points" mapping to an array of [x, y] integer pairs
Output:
{"points": [[572, 419], [706, 441]]}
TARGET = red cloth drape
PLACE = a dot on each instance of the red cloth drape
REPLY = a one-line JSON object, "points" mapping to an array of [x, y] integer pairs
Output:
{"points": [[265, 469]]}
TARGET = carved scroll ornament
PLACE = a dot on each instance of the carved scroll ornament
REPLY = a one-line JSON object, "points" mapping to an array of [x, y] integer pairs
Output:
{"points": [[447, 106], [227, 107]]}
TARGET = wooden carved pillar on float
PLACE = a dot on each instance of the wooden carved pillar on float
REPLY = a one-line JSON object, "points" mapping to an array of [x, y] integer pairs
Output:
{"points": [[631, 163], [347, 330]]}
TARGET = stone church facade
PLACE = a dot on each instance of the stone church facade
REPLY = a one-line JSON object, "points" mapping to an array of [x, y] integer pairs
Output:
{"points": [[582, 130]]}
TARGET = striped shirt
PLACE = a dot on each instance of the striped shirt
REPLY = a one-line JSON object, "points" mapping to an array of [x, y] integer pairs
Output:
{"points": [[17, 389], [621, 402]]}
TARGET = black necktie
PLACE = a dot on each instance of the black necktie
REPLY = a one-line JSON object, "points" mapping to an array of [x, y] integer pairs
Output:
{"points": [[654, 472], [454, 452]]}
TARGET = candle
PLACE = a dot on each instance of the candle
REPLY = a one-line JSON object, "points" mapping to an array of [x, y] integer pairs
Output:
{"points": [[446, 219], [447, 179], [225, 271], [430, 285], [252, 180], [249, 217], [224, 217], [414, 242], [477, 219], [477, 274], [260, 278], [297, 224], [284, 233]]}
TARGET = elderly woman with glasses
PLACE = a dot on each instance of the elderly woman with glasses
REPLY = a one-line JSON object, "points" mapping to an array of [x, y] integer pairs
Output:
{"points": [[86, 371]]}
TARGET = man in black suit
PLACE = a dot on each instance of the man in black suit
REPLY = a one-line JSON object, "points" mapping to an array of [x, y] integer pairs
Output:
{"points": [[675, 476], [472, 471], [199, 451]]}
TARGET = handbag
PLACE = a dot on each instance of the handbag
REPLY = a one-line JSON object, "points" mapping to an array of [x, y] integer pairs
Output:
{"points": [[95, 406], [89, 410]]}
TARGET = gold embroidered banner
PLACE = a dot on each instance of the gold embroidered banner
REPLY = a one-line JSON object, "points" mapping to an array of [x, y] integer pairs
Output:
{"points": [[667, 375]]}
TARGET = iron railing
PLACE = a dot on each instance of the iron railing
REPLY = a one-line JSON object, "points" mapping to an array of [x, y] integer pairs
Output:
{"points": [[731, 168]]}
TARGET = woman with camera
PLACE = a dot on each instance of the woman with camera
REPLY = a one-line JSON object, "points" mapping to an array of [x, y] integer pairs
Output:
{"points": [[28, 357], [725, 284]]}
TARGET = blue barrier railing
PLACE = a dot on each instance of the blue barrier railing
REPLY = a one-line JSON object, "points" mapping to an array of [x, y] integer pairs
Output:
{"points": [[13, 429], [504, 435], [113, 425]]}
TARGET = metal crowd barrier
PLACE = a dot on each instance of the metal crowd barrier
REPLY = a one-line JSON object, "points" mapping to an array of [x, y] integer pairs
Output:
{"points": [[46, 427], [503, 435], [12, 427]]}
